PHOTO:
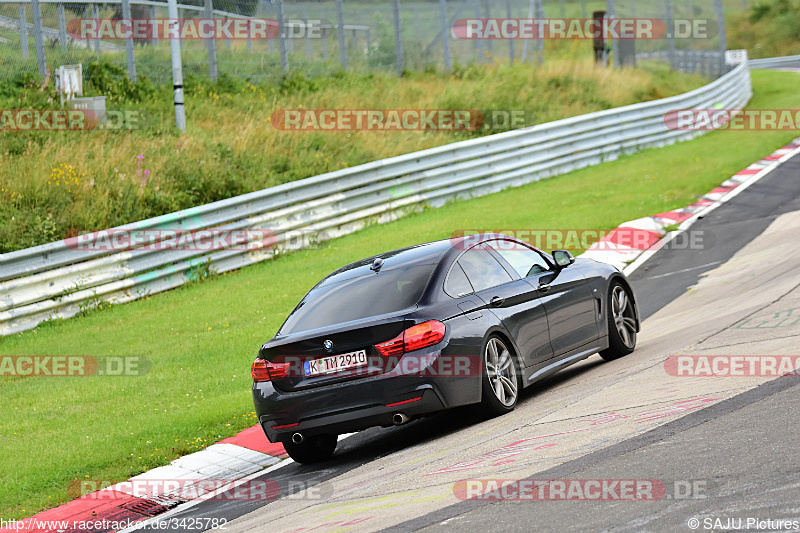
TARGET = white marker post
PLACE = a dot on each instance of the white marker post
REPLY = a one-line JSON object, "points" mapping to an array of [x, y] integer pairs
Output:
{"points": [[177, 69]]}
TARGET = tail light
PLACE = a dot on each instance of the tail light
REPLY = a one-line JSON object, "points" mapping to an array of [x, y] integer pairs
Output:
{"points": [[263, 370], [414, 338]]}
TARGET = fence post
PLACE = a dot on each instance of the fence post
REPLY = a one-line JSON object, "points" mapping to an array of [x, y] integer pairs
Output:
{"points": [[614, 42], [211, 44], [37, 37], [510, 41], [487, 13], [479, 42], [282, 37], [531, 7], [154, 36], [340, 33], [540, 42], [23, 31], [670, 36], [445, 34], [126, 14], [96, 15], [306, 33], [723, 36], [62, 28], [398, 38], [177, 67]]}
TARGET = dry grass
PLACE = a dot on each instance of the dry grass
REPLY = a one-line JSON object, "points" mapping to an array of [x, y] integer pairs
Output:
{"points": [[231, 147]]}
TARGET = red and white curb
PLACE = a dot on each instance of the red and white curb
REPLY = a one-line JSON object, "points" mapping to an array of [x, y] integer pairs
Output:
{"points": [[633, 243], [237, 459], [154, 492]]}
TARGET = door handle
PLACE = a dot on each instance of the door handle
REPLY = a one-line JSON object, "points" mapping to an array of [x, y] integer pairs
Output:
{"points": [[544, 287], [497, 301]]}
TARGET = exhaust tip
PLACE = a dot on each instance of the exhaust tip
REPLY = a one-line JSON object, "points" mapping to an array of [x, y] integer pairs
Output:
{"points": [[398, 419], [297, 438]]}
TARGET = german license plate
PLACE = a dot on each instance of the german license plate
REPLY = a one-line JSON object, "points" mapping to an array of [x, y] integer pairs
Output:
{"points": [[335, 363]]}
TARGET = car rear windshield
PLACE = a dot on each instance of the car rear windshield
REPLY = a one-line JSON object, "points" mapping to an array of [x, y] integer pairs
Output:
{"points": [[356, 298]]}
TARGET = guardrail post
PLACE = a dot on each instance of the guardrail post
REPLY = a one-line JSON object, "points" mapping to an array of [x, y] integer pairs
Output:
{"points": [[340, 34], [23, 31], [37, 37], [670, 36], [398, 38], [445, 34], [211, 44], [723, 36], [126, 14], [95, 15], [282, 38], [62, 28]]}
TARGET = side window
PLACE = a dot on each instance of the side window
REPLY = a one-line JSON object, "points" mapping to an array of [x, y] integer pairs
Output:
{"points": [[482, 269], [457, 283], [525, 261]]}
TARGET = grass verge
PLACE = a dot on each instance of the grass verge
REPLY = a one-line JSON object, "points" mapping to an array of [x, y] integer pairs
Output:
{"points": [[55, 184], [201, 338]]}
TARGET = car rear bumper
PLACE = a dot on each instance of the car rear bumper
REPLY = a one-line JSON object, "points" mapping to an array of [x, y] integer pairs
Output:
{"points": [[358, 404]]}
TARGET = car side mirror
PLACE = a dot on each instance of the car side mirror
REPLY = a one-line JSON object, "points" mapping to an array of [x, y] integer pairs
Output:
{"points": [[563, 258]]}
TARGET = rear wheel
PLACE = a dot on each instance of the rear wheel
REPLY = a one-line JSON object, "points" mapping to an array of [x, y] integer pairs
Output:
{"points": [[312, 449], [500, 380], [621, 312]]}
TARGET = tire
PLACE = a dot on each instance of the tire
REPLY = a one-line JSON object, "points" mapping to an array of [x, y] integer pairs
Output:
{"points": [[500, 388], [312, 449], [621, 316]]}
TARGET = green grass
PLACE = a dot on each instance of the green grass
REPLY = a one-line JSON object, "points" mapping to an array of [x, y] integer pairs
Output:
{"points": [[202, 338], [54, 184]]}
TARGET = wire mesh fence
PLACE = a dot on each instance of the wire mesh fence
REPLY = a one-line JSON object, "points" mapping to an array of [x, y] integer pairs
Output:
{"points": [[321, 37]]}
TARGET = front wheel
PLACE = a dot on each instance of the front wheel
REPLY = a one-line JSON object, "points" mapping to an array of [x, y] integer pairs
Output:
{"points": [[500, 379], [312, 449], [621, 313]]}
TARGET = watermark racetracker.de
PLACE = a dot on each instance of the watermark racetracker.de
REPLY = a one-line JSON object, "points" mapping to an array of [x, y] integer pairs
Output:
{"points": [[220, 489], [194, 28], [733, 366], [180, 240], [579, 489], [614, 29], [733, 119], [579, 239], [73, 365], [401, 119], [69, 120]]}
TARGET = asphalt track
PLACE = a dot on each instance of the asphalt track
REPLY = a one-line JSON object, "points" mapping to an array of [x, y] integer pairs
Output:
{"points": [[626, 419]]}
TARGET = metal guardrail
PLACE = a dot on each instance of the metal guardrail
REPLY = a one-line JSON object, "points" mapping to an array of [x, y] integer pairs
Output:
{"points": [[56, 280], [775, 62]]}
